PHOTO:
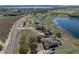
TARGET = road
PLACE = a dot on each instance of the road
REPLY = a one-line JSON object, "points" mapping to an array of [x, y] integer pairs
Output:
{"points": [[12, 38]]}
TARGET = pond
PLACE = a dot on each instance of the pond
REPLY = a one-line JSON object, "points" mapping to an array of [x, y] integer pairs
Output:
{"points": [[69, 25]]}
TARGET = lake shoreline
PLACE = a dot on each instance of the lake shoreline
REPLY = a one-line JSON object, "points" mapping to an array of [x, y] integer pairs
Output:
{"points": [[69, 37], [55, 23]]}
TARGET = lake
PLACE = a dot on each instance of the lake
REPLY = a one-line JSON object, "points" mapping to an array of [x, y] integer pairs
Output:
{"points": [[69, 25]]}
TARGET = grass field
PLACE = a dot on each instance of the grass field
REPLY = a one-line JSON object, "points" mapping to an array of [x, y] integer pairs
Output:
{"points": [[29, 33], [5, 26]]}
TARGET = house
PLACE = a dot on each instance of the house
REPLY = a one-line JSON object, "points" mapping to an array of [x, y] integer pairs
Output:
{"points": [[38, 26], [49, 44], [48, 33], [37, 21]]}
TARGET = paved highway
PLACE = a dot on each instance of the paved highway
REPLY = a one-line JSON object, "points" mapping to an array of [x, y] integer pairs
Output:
{"points": [[12, 38]]}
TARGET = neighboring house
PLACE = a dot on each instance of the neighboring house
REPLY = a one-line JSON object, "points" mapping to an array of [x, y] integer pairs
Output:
{"points": [[37, 24], [48, 33], [37, 21], [49, 44]]}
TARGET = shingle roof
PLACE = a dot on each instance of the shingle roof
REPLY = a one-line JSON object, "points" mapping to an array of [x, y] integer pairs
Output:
{"points": [[48, 44]]}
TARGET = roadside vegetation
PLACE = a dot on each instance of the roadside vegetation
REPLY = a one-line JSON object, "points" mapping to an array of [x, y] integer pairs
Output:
{"points": [[28, 42], [23, 49]]}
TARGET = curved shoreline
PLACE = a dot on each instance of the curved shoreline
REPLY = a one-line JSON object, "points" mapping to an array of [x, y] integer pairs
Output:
{"points": [[55, 23]]}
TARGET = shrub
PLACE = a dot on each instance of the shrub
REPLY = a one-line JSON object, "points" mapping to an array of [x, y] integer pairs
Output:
{"points": [[58, 35], [39, 39], [43, 28], [23, 49], [33, 46]]}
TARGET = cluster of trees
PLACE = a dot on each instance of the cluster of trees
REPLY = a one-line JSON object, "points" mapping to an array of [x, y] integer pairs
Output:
{"points": [[30, 44], [35, 39], [33, 43]]}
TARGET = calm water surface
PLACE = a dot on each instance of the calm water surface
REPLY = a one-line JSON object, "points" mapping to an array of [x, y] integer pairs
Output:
{"points": [[70, 25]]}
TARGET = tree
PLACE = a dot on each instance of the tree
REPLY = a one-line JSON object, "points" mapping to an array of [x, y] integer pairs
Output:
{"points": [[33, 46], [43, 28], [1, 47], [23, 49], [58, 35], [39, 39]]}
